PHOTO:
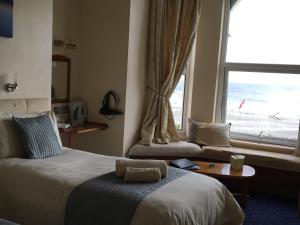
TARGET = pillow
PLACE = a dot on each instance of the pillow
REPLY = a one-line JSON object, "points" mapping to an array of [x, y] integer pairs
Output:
{"points": [[51, 116], [10, 141], [38, 136], [214, 134]]}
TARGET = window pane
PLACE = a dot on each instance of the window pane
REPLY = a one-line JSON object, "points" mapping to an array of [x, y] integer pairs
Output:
{"points": [[264, 106], [264, 31], [177, 100]]}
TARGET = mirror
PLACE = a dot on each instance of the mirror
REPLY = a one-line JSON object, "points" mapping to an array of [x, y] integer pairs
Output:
{"points": [[61, 71]]}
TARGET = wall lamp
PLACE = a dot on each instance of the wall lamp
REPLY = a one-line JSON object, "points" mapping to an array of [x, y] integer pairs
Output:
{"points": [[11, 87], [10, 82]]}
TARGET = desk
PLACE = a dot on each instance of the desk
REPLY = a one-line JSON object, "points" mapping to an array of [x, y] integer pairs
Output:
{"points": [[82, 129]]}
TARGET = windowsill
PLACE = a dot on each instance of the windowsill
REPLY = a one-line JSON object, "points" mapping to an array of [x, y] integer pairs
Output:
{"points": [[262, 146]]}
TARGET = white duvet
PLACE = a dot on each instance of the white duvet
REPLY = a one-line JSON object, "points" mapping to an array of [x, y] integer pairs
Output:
{"points": [[34, 192]]}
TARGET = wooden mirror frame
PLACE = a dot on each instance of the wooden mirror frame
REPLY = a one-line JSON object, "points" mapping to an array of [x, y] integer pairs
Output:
{"points": [[62, 58]]}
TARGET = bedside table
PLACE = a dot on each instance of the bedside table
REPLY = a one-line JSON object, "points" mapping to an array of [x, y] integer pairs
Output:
{"points": [[5, 222]]}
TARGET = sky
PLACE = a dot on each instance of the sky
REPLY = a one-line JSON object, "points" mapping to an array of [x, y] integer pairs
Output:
{"points": [[265, 31], [276, 79]]}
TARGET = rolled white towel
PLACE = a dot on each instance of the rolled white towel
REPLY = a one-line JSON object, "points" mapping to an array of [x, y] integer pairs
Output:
{"points": [[142, 174], [122, 164]]}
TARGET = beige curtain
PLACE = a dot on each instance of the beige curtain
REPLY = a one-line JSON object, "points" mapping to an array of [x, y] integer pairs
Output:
{"points": [[173, 25]]}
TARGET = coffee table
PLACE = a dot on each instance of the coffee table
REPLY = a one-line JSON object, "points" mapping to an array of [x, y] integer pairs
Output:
{"points": [[223, 171]]}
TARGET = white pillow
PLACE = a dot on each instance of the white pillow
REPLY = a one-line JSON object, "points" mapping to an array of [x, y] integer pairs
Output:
{"points": [[214, 134], [10, 141]]}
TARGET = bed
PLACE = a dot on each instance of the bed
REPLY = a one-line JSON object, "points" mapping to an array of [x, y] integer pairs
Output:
{"points": [[36, 192]]}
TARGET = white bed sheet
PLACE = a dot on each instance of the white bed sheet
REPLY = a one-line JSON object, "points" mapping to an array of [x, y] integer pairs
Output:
{"points": [[34, 192]]}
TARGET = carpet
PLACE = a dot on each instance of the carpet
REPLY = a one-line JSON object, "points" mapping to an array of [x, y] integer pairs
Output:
{"points": [[271, 210]]}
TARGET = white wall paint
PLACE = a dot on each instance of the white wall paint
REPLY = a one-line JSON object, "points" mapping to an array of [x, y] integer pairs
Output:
{"points": [[29, 52], [107, 54], [66, 20], [136, 71], [207, 61], [103, 67], [111, 55]]}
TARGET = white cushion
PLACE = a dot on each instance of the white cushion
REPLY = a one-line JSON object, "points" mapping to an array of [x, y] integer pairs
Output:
{"points": [[10, 142], [274, 160], [214, 134], [180, 149]]}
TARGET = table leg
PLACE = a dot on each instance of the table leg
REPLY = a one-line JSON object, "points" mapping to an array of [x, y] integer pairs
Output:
{"points": [[244, 186]]}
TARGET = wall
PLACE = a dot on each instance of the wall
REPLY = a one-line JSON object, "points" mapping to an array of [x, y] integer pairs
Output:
{"points": [[111, 55], [103, 67], [136, 71], [29, 52], [207, 61], [111, 38], [66, 20]]}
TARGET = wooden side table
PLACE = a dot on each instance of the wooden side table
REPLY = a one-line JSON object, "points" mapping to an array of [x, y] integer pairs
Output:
{"points": [[82, 129], [223, 170]]}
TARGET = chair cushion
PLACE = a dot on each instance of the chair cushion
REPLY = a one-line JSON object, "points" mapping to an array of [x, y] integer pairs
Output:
{"points": [[275, 160], [180, 149], [38, 136]]}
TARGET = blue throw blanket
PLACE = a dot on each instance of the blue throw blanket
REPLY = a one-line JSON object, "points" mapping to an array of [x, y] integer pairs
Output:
{"points": [[108, 200]]}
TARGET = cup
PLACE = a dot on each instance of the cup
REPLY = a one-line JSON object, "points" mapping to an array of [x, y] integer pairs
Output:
{"points": [[237, 162]]}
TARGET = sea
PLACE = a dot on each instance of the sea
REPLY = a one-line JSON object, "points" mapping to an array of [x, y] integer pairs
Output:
{"points": [[264, 99], [262, 110]]}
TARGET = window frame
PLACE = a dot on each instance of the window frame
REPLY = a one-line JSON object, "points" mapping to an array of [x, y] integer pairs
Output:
{"points": [[226, 67], [186, 98]]}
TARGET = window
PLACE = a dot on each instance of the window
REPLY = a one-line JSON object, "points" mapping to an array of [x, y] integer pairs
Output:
{"points": [[177, 102], [181, 97], [262, 71]]}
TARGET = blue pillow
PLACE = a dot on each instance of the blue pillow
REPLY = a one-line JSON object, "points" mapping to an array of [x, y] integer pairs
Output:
{"points": [[38, 136]]}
